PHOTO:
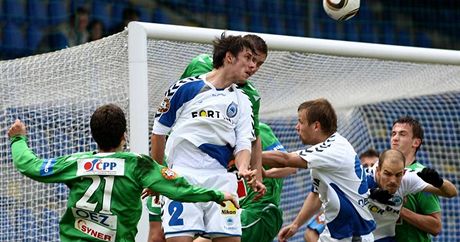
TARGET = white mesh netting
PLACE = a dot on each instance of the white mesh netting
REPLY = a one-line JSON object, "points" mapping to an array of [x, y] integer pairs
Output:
{"points": [[56, 93]]}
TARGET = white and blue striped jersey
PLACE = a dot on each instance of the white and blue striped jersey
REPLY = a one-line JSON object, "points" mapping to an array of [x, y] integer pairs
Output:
{"points": [[341, 183], [206, 126], [386, 215]]}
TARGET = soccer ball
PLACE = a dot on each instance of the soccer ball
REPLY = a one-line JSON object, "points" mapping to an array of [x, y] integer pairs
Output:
{"points": [[341, 9]]}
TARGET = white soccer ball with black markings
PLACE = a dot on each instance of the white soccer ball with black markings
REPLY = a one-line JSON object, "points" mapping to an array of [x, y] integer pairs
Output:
{"points": [[341, 10]]}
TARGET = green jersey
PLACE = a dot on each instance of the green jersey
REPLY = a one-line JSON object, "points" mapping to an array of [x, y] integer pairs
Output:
{"points": [[104, 202], [262, 219], [203, 64], [274, 185], [422, 203]]}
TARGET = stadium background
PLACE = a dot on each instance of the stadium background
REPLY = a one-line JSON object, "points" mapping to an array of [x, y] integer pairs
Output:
{"points": [[25, 23]]}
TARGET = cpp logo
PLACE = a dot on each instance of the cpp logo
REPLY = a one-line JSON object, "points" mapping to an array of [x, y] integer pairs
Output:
{"points": [[99, 165]]}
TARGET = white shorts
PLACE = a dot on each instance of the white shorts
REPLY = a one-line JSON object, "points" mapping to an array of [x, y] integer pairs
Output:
{"points": [[325, 236], [209, 218]]}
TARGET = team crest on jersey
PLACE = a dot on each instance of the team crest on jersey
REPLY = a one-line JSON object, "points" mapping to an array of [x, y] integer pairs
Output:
{"points": [[164, 106], [168, 174], [397, 200], [232, 110]]}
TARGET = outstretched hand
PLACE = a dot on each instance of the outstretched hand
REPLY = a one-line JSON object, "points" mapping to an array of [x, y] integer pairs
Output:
{"points": [[147, 192], [231, 198], [260, 189], [17, 128], [249, 176], [431, 176], [287, 232]]}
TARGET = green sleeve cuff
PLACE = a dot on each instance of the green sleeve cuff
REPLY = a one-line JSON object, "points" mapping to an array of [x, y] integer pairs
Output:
{"points": [[221, 197]]}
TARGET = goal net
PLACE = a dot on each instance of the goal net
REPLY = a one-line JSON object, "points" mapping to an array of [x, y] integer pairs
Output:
{"points": [[56, 93]]}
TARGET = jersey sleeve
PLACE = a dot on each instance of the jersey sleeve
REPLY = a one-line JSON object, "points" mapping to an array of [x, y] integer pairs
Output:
{"points": [[244, 132], [320, 157], [426, 203], [166, 182], [412, 183], [175, 98], [199, 65], [42, 170], [269, 139], [255, 101], [255, 113]]}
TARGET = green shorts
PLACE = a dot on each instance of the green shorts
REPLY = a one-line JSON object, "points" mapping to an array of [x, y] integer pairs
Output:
{"points": [[261, 223], [154, 210]]}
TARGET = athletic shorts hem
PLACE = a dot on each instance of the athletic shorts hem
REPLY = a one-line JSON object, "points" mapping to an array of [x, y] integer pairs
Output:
{"points": [[190, 233], [220, 234]]}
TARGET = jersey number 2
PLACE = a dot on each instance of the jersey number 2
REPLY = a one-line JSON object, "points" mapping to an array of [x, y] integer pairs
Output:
{"points": [[106, 200], [175, 210]]}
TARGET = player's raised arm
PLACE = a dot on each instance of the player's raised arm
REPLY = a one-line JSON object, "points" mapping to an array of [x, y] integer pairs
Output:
{"points": [[283, 159], [242, 164], [256, 157], [437, 184], [158, 143], [25, 159], [279, 172]]}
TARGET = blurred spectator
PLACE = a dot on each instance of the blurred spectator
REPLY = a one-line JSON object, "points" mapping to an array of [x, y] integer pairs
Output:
{"points": [[129, 14], [96, 30], [67, 34], [77, 32]]}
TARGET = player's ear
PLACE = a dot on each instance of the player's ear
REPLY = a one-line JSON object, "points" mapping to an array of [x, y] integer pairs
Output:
{"points": [[317, 126], [229, 57], [416, 142], [123, 139]]}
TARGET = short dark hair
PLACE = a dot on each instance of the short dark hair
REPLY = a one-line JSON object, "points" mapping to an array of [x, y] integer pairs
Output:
{"points": [[392, 154], [108, 125], [322, 111], [369, 153], [259, 44], [417, 130], [232, 44]]}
